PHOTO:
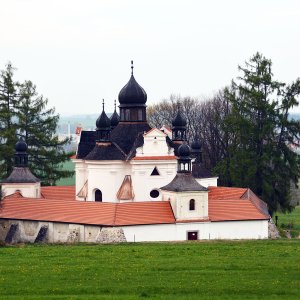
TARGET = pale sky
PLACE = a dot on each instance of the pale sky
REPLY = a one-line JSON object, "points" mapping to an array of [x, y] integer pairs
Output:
{"points": [[78, 52]]}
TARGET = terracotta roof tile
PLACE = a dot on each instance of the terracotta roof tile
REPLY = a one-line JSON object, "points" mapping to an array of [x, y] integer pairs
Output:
{"points": [[226, 204], [59, 205], [89, 212]]}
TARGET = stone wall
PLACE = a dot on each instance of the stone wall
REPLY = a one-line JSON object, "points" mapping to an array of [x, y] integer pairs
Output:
{"points": [[19, 231]]}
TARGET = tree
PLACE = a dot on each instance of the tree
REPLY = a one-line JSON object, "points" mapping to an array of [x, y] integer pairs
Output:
{"points": [[27, 116], [204, 119], [45, 151], [8, 99], [259, 153]]}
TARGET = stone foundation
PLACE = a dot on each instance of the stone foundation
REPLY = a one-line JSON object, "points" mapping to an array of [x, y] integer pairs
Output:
{"points": [[18, 231]]}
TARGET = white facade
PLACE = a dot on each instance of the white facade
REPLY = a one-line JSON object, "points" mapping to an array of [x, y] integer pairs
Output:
{"points": [[28, 190], [257, 229], [73, 233], [180, 202]]}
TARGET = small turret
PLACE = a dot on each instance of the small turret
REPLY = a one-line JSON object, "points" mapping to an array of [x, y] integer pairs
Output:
{"points": [[179, 127], [103, 127], [184, 159], [21, 179]]}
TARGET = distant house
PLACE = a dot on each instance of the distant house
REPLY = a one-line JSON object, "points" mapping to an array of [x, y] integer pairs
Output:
{"points": [[133, 183]]}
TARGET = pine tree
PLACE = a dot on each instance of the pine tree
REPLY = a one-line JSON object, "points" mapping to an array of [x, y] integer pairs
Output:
{"points": [[8, 101], [260, 154], [24, 113], [37, 125]]}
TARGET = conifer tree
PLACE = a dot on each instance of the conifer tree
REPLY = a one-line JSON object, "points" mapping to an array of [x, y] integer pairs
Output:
{"points": [[24, 113], [37, 125], [260, 154], [8, 100]]}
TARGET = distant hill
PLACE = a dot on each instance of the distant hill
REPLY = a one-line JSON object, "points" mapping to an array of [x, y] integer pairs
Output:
{"points": [[87, 121]]}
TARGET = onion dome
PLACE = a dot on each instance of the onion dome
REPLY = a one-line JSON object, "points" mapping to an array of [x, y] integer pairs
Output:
{"points": [[132, 92], [114, 119], [103, 122], [179, 120], [184, 151], [179, 127], [196, 144], [103, 127], [184, 160], [21, 146]]}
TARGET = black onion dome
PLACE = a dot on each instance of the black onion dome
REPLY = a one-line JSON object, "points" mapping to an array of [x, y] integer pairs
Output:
{"points": [[21, 146], [114, 119], [196, 144], [179, 120], [103, 121], [184, 150], [132, 93]]}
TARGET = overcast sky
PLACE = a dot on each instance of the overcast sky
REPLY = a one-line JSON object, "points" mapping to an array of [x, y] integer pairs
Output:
{"points": [[78, 52]]}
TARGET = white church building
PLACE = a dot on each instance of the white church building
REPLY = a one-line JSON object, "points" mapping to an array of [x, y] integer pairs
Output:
{"points": [[133, 183]]}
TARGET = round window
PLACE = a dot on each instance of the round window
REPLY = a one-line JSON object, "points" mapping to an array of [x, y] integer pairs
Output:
{"points": [[154, 193]]}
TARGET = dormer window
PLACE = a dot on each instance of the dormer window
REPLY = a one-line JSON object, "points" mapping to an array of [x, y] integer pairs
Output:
{"points": [[192, 204]]}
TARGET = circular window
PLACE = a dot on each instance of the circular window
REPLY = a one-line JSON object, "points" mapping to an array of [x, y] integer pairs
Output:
{"points": [[154, 193]]}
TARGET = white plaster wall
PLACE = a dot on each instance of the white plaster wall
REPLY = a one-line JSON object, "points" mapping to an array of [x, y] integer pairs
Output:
{"points": [[30, 190], [206, 231], [201, 205], [212, 181], [80, 175], [239, 230], [106, 176], [70, 233], [143, 182], [154, 144]]}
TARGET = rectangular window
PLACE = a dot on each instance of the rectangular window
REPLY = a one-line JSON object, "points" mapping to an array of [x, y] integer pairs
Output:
{"points": [[192, 235]]}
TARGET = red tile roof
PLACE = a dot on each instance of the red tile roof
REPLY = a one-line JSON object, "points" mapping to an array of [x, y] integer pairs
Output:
{"points": [[89, 212], [225, 204], [59, 205]]}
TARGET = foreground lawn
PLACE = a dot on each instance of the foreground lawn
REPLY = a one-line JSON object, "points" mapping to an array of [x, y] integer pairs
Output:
{"points": [[206, 270]]}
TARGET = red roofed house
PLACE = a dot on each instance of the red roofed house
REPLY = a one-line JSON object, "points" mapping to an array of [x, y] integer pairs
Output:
{"points": [[133, 183]]}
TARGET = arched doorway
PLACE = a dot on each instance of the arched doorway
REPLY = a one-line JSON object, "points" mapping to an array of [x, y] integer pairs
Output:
{"points": [[98, 196]]}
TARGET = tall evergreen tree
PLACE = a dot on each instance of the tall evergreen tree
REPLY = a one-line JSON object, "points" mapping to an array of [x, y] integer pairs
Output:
{"points": [[24, 113], [8, 100], [260, 154], [37, 125]]}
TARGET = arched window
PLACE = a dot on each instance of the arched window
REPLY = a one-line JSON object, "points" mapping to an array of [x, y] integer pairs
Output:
{"points": [[98, 196], [192, 204]]}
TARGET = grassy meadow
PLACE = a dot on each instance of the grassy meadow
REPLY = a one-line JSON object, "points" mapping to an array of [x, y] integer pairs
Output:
{"points": [[70, 166], [290, 221], [264, 269]]}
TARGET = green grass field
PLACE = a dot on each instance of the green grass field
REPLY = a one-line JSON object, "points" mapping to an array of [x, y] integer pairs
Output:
{"points": [[290, 221], [201, 270]]}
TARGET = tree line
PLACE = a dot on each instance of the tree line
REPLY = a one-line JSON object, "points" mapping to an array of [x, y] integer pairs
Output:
{"points": [[246, 132], [24, 114]]}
